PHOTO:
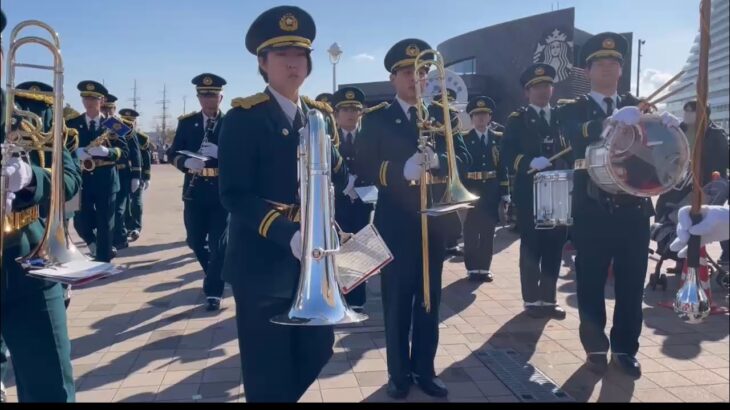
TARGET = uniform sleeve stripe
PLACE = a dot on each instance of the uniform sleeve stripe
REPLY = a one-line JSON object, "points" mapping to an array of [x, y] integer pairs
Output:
{"points": [[267, 225], [585, 129], [339, 165], [504, 183], [384, 173], [119, 152], [517, 162], [265, 219], [136, 169]]}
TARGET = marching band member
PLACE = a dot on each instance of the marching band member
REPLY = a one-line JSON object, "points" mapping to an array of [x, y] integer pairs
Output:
{"points": [[532, 136], [130, 176], [259, 187]]}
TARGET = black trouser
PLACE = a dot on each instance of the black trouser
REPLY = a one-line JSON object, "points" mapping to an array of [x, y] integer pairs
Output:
{"points": [[120, 213], [134, 210], [479, 238], [279, 362], [600, 237], [725, 245], [97, 211], [35, 333], [541, 253], [402, 294], [205, 223]]}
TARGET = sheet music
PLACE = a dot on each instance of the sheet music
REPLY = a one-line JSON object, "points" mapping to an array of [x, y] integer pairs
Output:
{"points": [[361, 257], [194, 155], [76, 273], [368, 194]]}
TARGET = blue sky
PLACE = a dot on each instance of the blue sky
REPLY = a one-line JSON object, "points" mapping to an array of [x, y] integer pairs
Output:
{"points": [[168, 42]]}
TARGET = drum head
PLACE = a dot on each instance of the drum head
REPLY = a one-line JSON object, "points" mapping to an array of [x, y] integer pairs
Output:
{"points": [[647, 159]]}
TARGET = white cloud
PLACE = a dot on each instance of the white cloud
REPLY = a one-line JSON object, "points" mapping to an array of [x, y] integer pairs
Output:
{"points": [[652, 79], [363, 57]]}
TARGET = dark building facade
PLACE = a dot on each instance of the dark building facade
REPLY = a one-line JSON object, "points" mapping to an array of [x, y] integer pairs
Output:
{"points": [[491, 59]]}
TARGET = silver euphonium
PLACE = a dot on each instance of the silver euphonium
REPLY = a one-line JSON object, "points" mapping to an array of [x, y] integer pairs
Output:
{"points": [[319, 300]]}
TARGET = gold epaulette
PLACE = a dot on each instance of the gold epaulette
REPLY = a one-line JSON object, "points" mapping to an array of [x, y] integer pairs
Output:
{"points": [[248, 102], [35, 97], [72, 115], [374, 108], [498, 134], [188, 115], [318, 105], [515, 114], [564, 101], [130, 123]]}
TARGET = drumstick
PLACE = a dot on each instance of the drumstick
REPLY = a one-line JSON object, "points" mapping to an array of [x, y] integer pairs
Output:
{"points": [[553, 158], [667, 84]]}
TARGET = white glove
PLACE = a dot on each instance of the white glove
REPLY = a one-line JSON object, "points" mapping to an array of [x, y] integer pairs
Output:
{"points": [[627, 115], [414, 166], [715, 226], [9, 203], [669, 120], [350, 188], [540, 163], [82, 154], [432, 160], [296, 245], [135, 185], [506, 199], [18, 173], [209, 150], [98, 151], [146, 185], [194, 164]]}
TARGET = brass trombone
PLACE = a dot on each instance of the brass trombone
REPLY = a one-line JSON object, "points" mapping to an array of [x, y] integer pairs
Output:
{"points": [[455, 194], [56, 247]]}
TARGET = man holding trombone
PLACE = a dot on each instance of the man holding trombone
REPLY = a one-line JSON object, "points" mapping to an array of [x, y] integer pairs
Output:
{"points": [[391, 154], [33, 313]]}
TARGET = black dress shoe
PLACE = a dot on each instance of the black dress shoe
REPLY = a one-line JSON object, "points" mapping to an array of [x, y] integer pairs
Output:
{"points": [[554, 311], [597, 362], [455, 252], [213, 304], [628, 364], [398, 390], [535, 312], [133, 236], [433, 386]]}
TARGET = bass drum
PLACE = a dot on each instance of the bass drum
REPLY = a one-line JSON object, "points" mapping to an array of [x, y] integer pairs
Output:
{"points": [[643, 160]]}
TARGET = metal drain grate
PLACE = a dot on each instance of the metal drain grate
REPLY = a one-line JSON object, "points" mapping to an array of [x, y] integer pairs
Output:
{"points": [[527, 383]]}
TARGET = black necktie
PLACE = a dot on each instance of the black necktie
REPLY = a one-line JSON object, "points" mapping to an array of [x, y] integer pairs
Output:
{"points": [[298, 121], [484, 139], [92, 127], [413, 113], [609, 105], [350, 139], [543, 117], [209, 124]]}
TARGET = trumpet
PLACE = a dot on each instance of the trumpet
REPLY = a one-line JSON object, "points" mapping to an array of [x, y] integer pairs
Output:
{"points": [[319, 300], [455, 194]]}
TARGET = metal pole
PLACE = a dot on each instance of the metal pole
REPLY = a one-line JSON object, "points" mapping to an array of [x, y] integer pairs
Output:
{"points": [[638, 67], [334, 78]]}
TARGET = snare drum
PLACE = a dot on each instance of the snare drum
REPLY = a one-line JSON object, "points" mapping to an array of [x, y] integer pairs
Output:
{"points": [[643, 160], [552, 203]]}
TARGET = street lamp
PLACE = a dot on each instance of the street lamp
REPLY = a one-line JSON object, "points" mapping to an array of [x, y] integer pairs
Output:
{"points": [[335, 53], [638, 67]]}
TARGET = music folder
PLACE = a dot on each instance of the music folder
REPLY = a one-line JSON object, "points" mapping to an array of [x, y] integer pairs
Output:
{"points": [[361, 257]]}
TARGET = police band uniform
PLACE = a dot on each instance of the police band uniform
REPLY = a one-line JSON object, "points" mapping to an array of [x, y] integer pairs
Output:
{"points": [[204, 216], [351, 213], [130, 176], [486, 178], [94, 222], [531, 137], [259, 187], [387, 153], [606, 227]]}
